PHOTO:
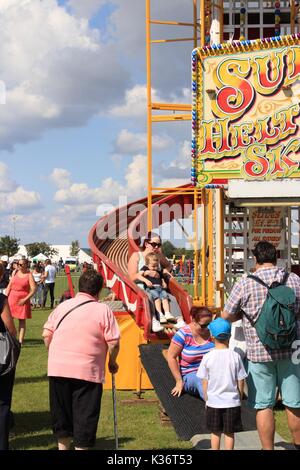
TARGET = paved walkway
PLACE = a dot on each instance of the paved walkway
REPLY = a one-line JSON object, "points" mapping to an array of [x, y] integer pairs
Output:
{"points": [[247, 440]]}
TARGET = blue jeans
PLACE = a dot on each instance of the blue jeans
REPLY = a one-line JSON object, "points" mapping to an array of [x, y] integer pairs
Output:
{"points": [[37, 299], [157, 292], [192, 384], [174, 307]]}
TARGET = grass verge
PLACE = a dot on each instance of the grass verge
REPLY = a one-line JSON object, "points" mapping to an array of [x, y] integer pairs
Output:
{"points": [[139, 425]]}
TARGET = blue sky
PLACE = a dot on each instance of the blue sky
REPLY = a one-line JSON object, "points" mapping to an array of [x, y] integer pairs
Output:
{"points": [[73, 127]]}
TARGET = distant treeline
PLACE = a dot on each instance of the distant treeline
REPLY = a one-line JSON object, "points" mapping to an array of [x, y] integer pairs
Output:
{"points": [[169, 250]]}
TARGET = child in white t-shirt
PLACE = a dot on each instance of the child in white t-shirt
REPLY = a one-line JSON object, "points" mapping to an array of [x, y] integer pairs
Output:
{"points": [[222, 374]]}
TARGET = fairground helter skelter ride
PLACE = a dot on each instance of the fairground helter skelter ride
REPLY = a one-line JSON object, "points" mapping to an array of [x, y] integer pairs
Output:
{"points": [[245, 185]]}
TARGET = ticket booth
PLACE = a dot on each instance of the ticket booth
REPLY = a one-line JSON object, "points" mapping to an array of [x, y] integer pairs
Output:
{"points": [[249, 220]]}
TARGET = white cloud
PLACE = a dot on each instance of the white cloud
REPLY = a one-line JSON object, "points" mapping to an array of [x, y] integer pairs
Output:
{"points": [[170, 62], [56, 70], [135, 101], [129, 142], [85, 8], [79, 204], [178, 168], [161, 142], [31, 227], [59, 72], [136, 177], [133, 142], [61, 178], [173, 182], [126, 26], [80, 195], [7, 185], [24, 199], [14, 197]]}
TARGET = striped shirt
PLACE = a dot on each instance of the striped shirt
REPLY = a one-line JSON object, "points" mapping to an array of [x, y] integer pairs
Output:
{"points": [[249, 296], [192, 352]]}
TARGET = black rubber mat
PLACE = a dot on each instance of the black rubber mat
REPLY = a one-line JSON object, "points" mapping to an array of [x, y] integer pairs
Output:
{"points": [[187, 413]]}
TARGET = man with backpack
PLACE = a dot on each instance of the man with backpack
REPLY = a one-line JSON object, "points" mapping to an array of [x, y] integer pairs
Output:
{"points": [[269, 304]]}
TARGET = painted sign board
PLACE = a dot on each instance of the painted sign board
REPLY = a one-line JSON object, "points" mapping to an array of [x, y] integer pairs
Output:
{"points": [[246, 110], [267, 224]]}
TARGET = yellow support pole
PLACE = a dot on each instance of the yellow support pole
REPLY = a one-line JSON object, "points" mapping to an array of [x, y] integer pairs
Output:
{"points": [[172, 23], [196, 252], [165, 106], [158, 41], [171, 117], [203, 247], [202, 22], [171, 107], [210, 269], [149, 115], [196, 191], [220, 241], [195, 23]]}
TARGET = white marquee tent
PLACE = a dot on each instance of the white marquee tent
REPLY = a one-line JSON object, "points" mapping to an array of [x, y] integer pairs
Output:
{"points": [[63, 252], [39, 257]]}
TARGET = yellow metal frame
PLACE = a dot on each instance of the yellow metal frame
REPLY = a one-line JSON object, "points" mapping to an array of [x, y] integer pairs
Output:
{"points": [[183, 109], [180, 112], [166, 112], [210, 271], [220, 241]]}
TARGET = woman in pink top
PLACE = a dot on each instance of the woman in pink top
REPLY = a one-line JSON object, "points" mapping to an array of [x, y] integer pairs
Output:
{"points": [[79, 333], [19, 292]]}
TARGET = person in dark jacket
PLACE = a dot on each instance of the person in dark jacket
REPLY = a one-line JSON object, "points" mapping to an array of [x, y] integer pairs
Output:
{"points": [[5, 279], [7, 380]]}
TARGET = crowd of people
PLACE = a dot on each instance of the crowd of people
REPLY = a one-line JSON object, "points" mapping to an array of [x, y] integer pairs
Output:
{"points": [[76, 369], [200, 357], [201, 350], [26, 286]]}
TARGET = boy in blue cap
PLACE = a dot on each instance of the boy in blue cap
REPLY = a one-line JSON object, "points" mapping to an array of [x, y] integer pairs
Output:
{"points": [[222, 374]]}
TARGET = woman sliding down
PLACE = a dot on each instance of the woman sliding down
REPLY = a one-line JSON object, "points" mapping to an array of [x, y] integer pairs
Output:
{"points": [[152, 244]]}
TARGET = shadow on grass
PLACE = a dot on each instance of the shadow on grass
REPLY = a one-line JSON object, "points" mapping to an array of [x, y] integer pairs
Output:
{"points": [[47, 441], [110, 443], [27, 380], [30, 423], [32, 430], [32, 343], [44, 441]]}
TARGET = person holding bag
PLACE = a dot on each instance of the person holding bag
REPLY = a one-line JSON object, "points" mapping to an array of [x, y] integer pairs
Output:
{"points": [[6, 379], [79, 333], [269, 304]]}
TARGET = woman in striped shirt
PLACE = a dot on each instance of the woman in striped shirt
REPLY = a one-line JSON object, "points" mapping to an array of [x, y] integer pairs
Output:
{"points": [[189, 345]]}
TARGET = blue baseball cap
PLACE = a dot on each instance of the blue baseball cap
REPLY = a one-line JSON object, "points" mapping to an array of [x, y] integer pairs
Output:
{"points": [[220, 328]]}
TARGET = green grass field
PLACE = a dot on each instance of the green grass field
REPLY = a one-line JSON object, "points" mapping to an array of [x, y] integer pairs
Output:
{"points": [[139, 425]]}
